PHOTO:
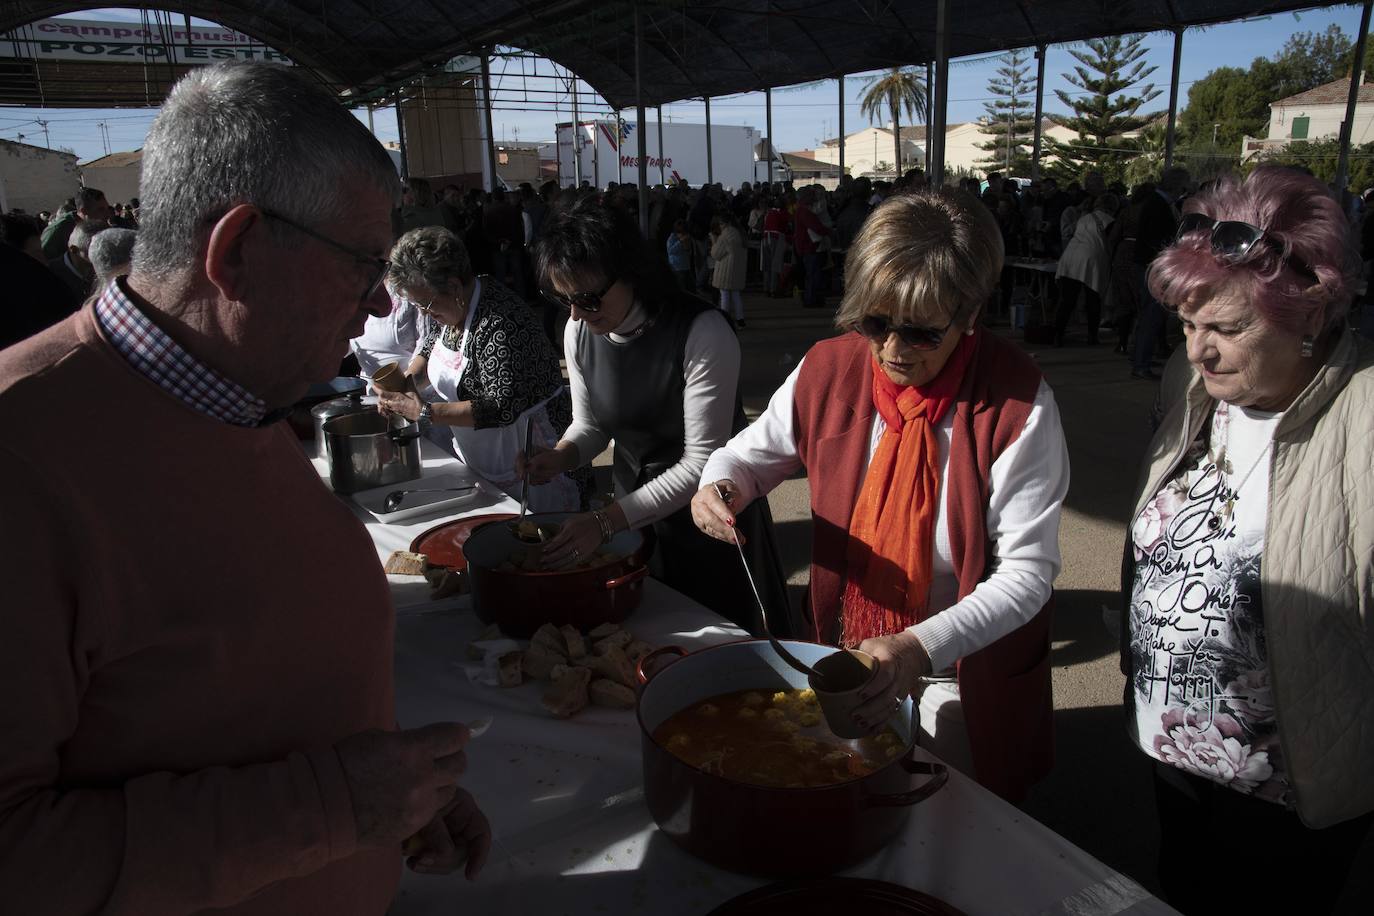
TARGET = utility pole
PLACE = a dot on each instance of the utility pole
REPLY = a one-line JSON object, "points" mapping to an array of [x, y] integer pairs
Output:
{"points": [[47, 141]]}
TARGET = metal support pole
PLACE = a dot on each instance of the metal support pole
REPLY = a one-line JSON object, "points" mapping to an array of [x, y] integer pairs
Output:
{"points": [[639, 126], [371, 128], [930, 87], [1173, 100], [1039, 110], [662, 178], [1356, 77], [576, 136], [710, 170], [768, 109], [486, 113], [841, 81], [401, 137], [940, 112]]}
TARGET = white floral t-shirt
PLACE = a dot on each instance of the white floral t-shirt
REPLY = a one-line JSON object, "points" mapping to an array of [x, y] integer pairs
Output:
{"points": [[1200, 664]]}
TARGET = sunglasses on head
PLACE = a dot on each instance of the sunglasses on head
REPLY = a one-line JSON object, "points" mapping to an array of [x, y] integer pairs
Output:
{"points": [[583, 301], [877, 327], [1234, 240]]}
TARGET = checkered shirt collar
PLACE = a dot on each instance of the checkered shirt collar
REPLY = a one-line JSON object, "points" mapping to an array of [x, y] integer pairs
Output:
{"points": [[163, 361]]}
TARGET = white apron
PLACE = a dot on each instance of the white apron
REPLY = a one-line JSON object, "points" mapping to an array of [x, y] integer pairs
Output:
{"points": [[491, 452]]}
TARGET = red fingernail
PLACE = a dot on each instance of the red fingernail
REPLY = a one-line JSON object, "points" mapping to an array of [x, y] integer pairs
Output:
{"points": [[730, 522]]}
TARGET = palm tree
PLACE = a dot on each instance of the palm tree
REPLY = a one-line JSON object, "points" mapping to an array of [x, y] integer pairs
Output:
{"points": [[895, 90]]}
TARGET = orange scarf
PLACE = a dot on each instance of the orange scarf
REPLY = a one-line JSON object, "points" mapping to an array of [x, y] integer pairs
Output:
{"points": [[892, 531]]}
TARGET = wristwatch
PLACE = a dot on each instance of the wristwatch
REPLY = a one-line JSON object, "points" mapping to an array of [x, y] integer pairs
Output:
{"points": [[426, 413]]}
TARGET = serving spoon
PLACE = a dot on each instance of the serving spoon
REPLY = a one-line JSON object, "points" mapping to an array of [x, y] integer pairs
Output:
{"points": [[816, 677], [514, 526], [393, 499]]}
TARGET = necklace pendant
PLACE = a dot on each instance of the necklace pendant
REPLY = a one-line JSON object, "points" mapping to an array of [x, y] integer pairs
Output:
{"points": [[1214, 523]]}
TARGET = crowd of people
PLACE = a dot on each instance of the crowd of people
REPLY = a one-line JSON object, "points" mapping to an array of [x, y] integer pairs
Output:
{"points": [[221, 734]]}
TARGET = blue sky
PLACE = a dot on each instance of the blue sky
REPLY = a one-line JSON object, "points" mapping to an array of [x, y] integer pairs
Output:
{"points": [[801, 117]]}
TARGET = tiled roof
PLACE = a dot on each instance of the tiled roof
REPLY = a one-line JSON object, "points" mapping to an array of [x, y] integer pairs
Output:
{"points": [[1333, 93], [115, 160]]}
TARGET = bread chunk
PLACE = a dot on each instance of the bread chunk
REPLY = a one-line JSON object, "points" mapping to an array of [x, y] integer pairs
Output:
{"points": [[540, 662], [405, 563], [608, 693], [551, 638], [509, 669], [617, 640], [568, 695], [572, 637], [615, 665]]}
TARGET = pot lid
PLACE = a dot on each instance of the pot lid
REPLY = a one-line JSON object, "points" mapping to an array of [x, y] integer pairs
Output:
{"points": [[835, 895], [338, 407], [324, 391]]}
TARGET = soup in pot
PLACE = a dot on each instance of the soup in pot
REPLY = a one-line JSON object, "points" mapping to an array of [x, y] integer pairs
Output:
{"points": [[768, 738]]}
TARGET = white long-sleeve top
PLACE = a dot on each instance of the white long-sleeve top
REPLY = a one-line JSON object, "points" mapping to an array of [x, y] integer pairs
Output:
{"points": [[1029, 481], [711, 371]]}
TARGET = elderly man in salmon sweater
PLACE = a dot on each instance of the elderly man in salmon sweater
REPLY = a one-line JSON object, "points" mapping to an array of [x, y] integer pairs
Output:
{"points": [[196, 707]]}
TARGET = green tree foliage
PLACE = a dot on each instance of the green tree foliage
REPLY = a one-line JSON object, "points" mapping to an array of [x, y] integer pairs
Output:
{"points": [[1319, 157], [1010, 116], [1233, 103], [894, 91], [1105, 113]]}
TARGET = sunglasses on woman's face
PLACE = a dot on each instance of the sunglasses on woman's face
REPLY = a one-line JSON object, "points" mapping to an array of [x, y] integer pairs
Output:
{"points": [[877, 327], [584, 301], [1233, 240]]}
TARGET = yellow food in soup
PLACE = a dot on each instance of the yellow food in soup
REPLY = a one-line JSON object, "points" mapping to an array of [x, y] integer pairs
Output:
{"points": [[772, 738]]}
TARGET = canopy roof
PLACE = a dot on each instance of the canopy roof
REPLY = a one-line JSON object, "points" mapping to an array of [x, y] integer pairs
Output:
{"points": [[719, 47]]}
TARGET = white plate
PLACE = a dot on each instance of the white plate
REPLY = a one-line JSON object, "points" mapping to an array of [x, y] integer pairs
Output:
{"points": [[414, 505]]}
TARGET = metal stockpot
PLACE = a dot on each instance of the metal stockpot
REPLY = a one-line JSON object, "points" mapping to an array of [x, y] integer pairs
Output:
{"points": [[338, 407], [368, 450]]}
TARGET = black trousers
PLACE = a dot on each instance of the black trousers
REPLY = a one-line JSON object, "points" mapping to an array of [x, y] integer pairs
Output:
{"points": [[1224, 852], [1069, 291]]}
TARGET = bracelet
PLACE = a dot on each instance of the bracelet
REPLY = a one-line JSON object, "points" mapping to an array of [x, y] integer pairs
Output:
{"points": [[604, 521]]}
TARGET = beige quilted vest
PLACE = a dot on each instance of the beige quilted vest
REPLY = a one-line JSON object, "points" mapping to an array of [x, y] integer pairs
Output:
{"points": [[1317, 573]]}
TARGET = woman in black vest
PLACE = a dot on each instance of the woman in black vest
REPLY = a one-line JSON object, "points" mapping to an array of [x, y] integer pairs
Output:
{"points": [[657, 371]]}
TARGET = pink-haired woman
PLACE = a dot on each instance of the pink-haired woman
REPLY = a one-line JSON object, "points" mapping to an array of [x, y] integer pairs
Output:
{"points": [[1248, 642]]}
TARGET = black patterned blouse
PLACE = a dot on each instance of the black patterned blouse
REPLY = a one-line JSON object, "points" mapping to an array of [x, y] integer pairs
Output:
{"points": [[511, 364]]}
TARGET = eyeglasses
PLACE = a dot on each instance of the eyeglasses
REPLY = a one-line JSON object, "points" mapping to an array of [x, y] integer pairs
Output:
{"points": [[1234, 240], [583, 301], [381, 265], [877, 327]]}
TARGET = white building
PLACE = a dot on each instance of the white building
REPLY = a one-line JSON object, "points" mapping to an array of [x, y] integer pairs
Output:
{"points": [[1315, 115], [33, 178], [873, 145], [117, 174]]}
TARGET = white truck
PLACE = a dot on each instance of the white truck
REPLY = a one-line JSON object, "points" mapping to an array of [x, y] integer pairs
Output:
{"points": [[610, 152]]}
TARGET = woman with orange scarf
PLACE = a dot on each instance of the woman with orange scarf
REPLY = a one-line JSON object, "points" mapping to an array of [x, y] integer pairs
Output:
{"points": [[937, 467]]}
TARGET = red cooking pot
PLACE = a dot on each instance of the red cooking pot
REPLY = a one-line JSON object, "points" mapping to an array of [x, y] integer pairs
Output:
{"points": [[761, 830], [521, 602]]}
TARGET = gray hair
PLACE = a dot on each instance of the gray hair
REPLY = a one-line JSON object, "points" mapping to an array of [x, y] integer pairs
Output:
{"points": [[430, 256], [255, 133], [83, 232], [111, 249]]}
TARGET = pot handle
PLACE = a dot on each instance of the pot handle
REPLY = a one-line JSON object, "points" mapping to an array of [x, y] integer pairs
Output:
{"points": [[403, 438], [938, 773], [662, 650], [630, 578]]}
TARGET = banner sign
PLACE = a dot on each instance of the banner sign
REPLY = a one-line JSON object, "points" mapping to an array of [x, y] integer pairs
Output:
{"points": [[130, 42]]}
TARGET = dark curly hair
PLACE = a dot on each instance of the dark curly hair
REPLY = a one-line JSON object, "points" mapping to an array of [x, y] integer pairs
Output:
{"points": [[594, 245]]}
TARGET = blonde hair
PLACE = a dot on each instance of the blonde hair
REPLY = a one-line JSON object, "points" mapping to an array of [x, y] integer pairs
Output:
{"points": [[928, 257]]}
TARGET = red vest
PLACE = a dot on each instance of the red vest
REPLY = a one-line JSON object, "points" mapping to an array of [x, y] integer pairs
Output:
{"points": [[1005, 687]]}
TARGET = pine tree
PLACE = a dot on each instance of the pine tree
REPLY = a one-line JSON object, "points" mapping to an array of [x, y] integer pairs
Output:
{"points": [[1010, 119], [1105, 114]]}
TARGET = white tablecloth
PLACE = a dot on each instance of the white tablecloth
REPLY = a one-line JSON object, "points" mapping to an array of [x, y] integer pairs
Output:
{"points": [[566, 804]]}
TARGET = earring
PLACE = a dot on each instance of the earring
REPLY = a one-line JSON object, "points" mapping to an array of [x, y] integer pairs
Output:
{"points": [[1309, 344]]}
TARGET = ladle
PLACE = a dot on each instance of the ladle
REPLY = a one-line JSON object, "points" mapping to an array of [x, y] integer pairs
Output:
{"points": [[393, 499], [525, 489], [816, 677]]}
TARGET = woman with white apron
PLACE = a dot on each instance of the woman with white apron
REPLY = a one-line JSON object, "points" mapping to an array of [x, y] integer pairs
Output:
{"points": [[488, 362]]}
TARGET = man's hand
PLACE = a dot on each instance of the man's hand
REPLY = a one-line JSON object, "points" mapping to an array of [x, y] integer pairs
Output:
{"points": [[714, 515], [459, 833], [400, 780]]}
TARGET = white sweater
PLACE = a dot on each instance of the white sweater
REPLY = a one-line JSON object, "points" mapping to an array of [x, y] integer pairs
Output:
{"points": [[1029, 481], [711, 369]]}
